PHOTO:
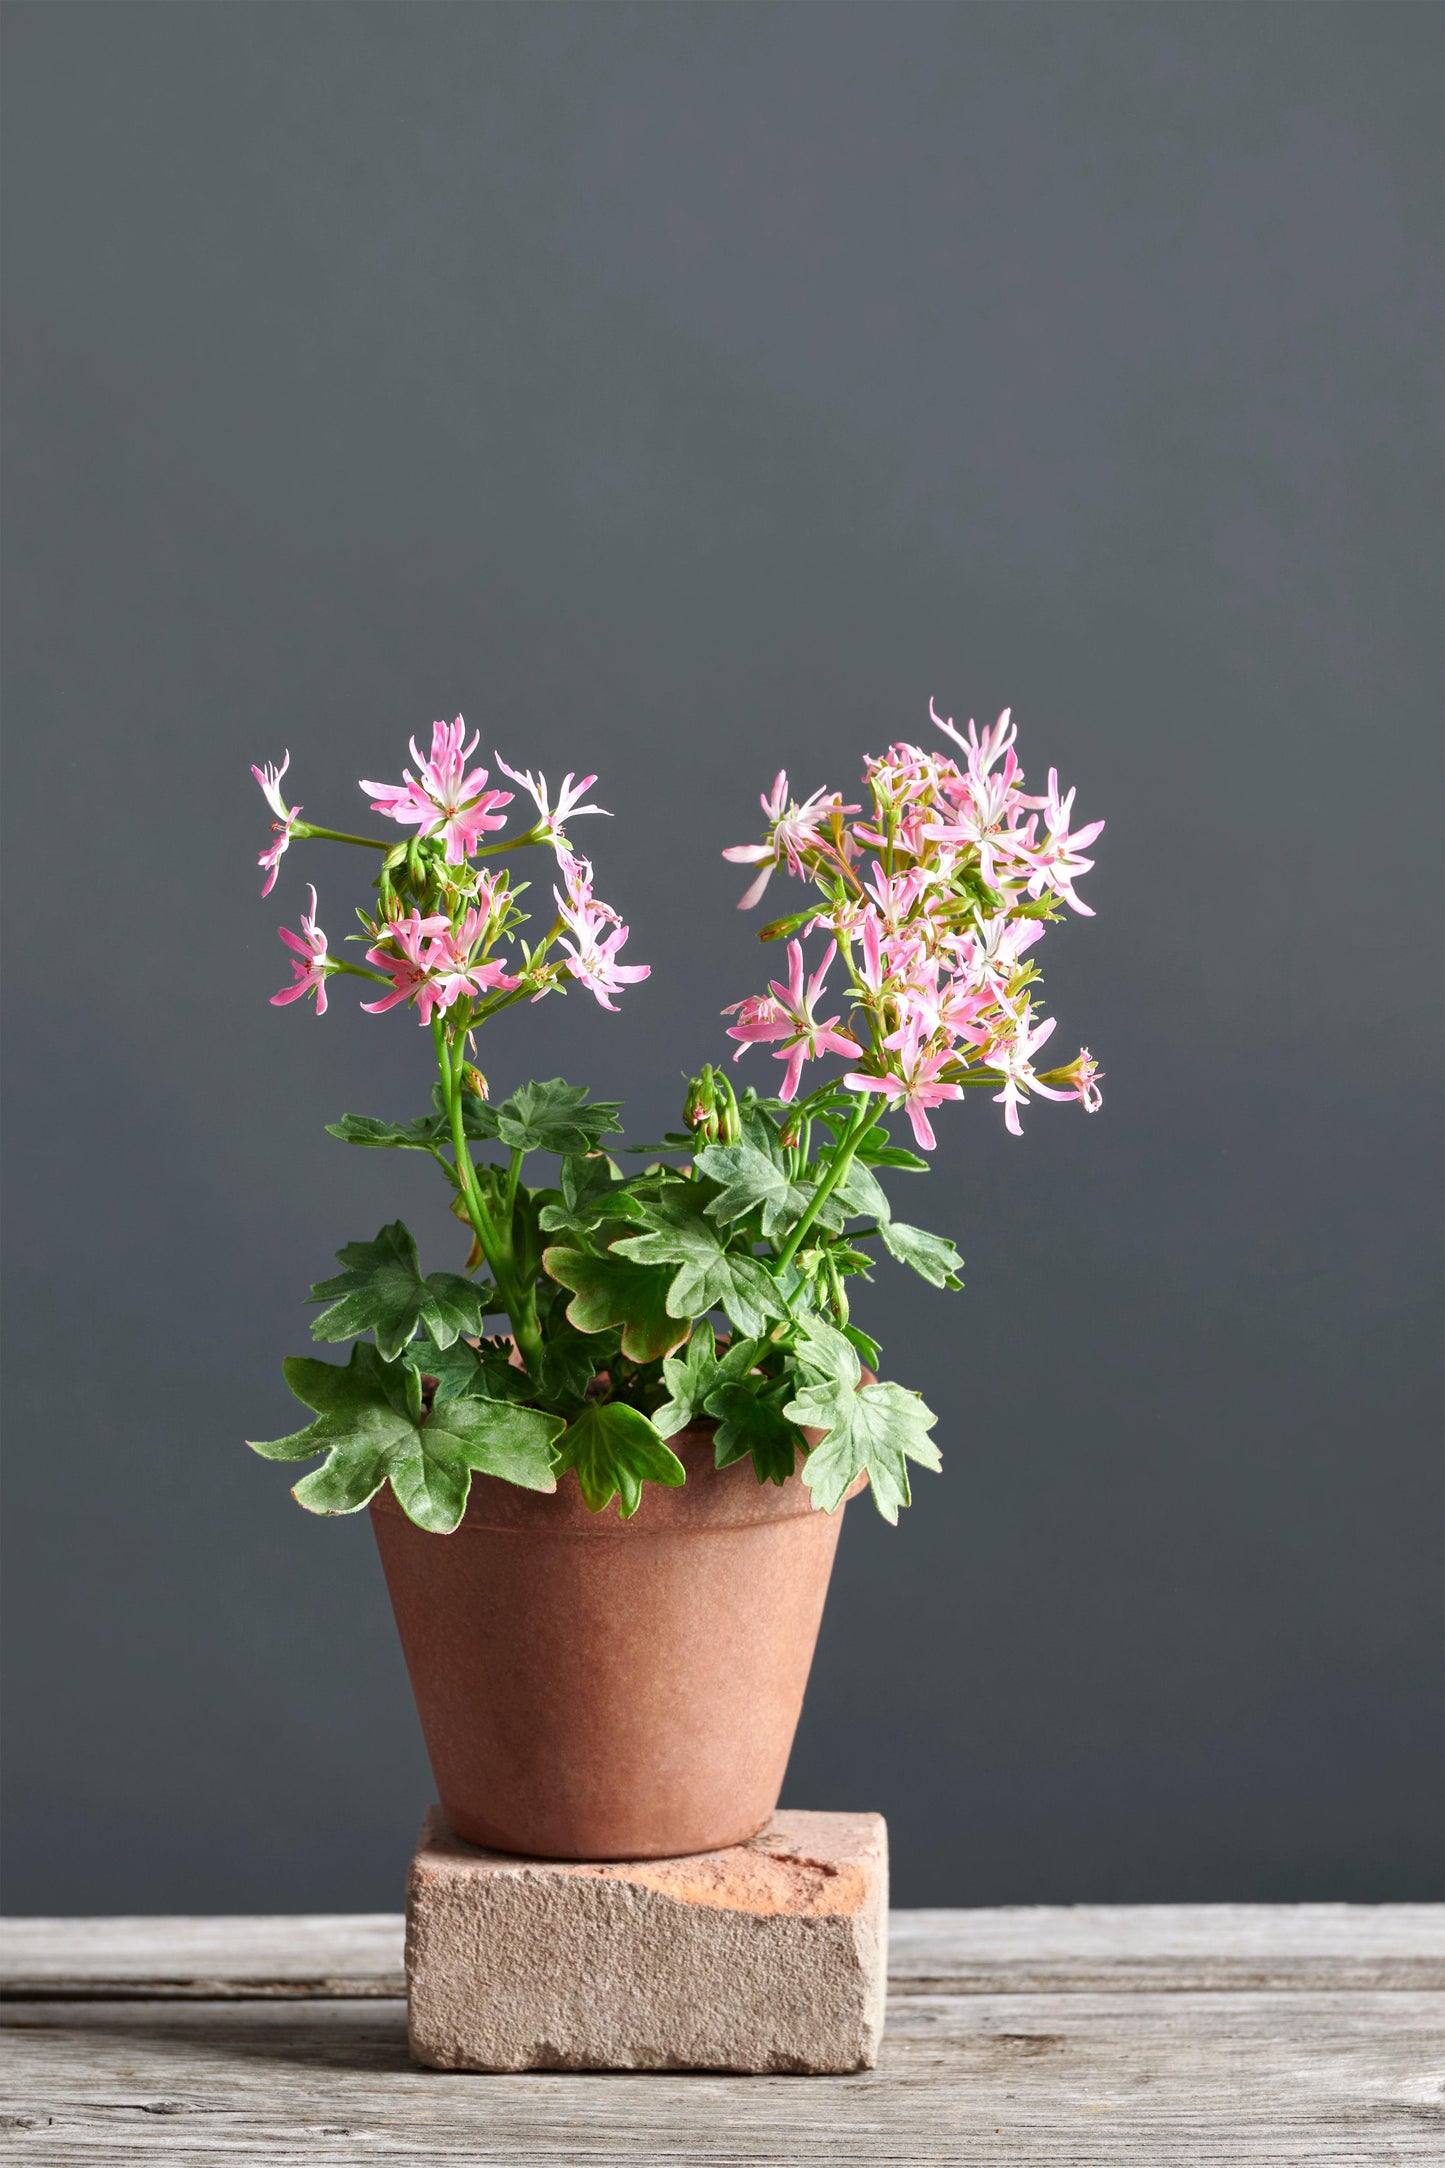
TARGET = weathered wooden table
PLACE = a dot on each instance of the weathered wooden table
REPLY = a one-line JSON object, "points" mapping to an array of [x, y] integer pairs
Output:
{"points": [[1100, 2034]]}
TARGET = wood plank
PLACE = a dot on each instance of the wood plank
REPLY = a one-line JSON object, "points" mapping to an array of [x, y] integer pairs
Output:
{"points": [[1138, 2080], [285, 1954], [1019, 1949], [1059, 1949]]}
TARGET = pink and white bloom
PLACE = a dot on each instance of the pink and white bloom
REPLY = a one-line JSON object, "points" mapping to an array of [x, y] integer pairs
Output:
{"points": [[550, 818], [402, 954], [1057, 861], [453, 969], [1082, 1076], [1011, 1053], [790, 1016], [311, 963], [269, 779], [592, 953], [914, 1081], [577, 878], [792, 830], [445, 797], [991, 951]]}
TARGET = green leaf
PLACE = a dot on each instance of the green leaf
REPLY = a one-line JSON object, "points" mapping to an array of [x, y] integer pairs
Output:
{"points": [[872, 1429], [615, 1450], [570, 1360], [457, 1368], [932, 1255], [555, 1117], [709, 1275], [370, 1426], [689, 1378], [860, 1195], [610, 1290], [419, 1136], [875, 1150], [751, 1180], [382, 1291], [586, 1185], [868, 1348], [751, 1419]]}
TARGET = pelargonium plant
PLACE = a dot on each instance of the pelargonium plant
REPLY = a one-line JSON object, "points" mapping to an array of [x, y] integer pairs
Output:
{"points": [[621, 1308]]}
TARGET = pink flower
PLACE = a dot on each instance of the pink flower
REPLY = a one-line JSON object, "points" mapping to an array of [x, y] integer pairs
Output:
{"points": [[914, 1081], [592, 959], [406, 962], [991, 951], [983, 751], [1057, 862], [269, 779], [453, 972], [431, 964], [1011, 1053], [792, 830], [577, 878], [1081, 1076], [311, 964], [446, 797], [789, 1016], [550, 818]]}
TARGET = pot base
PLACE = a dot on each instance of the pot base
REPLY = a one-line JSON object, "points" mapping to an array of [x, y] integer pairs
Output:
{"points": [[765, 1956]]}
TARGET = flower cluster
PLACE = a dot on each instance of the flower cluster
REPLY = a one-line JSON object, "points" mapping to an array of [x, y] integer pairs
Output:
{"points": [[932, 901], [440, 917]]}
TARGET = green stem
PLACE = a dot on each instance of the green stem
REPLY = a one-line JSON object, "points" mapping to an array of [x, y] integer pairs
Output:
{"points": [[843, 1160], [308, 831], [496, 1245], [514, 1175]]}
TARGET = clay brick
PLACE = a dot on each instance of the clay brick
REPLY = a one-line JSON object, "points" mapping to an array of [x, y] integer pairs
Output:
{"points": [[769, 1956]]}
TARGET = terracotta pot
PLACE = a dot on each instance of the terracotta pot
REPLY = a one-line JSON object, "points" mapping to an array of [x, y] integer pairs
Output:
{"points": [[591, 1688]]}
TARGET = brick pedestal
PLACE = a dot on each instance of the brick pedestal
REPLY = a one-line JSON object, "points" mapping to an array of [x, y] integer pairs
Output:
{"points": [[770, 1956]]}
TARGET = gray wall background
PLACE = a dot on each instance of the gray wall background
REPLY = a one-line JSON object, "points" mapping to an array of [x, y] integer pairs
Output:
{"points": [[680, 391]]}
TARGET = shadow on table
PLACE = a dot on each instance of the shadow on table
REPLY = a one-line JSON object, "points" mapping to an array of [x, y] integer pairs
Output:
{"points": [[354, 2035]]}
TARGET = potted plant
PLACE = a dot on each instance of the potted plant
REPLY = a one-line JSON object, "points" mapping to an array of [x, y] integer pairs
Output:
{"points": [[677, 1337]]}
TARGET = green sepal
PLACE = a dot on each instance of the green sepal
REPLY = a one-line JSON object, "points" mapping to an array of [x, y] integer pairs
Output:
{"points": [[369, 1424], [870, 1429], [610, 1290], [709, 1276], [778, 929], [382, 1291], [934, 1256], [615, 1450]]}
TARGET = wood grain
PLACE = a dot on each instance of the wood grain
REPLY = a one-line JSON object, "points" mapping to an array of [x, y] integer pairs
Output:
{"points": [[1191, 2059], [1015, 1949]]}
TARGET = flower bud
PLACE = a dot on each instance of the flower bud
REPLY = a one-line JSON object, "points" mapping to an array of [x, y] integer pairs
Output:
{"points": [[474, 1080], [711, 1109]]}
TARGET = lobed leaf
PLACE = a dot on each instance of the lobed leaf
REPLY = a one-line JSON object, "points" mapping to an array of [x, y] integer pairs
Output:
{"points": [[382, 1292], [608, 1290], [369, 1424], [709, 1276], [934, 1256], [615, 1450], [869, 1429], [751, 1180], [555, 1117]]}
